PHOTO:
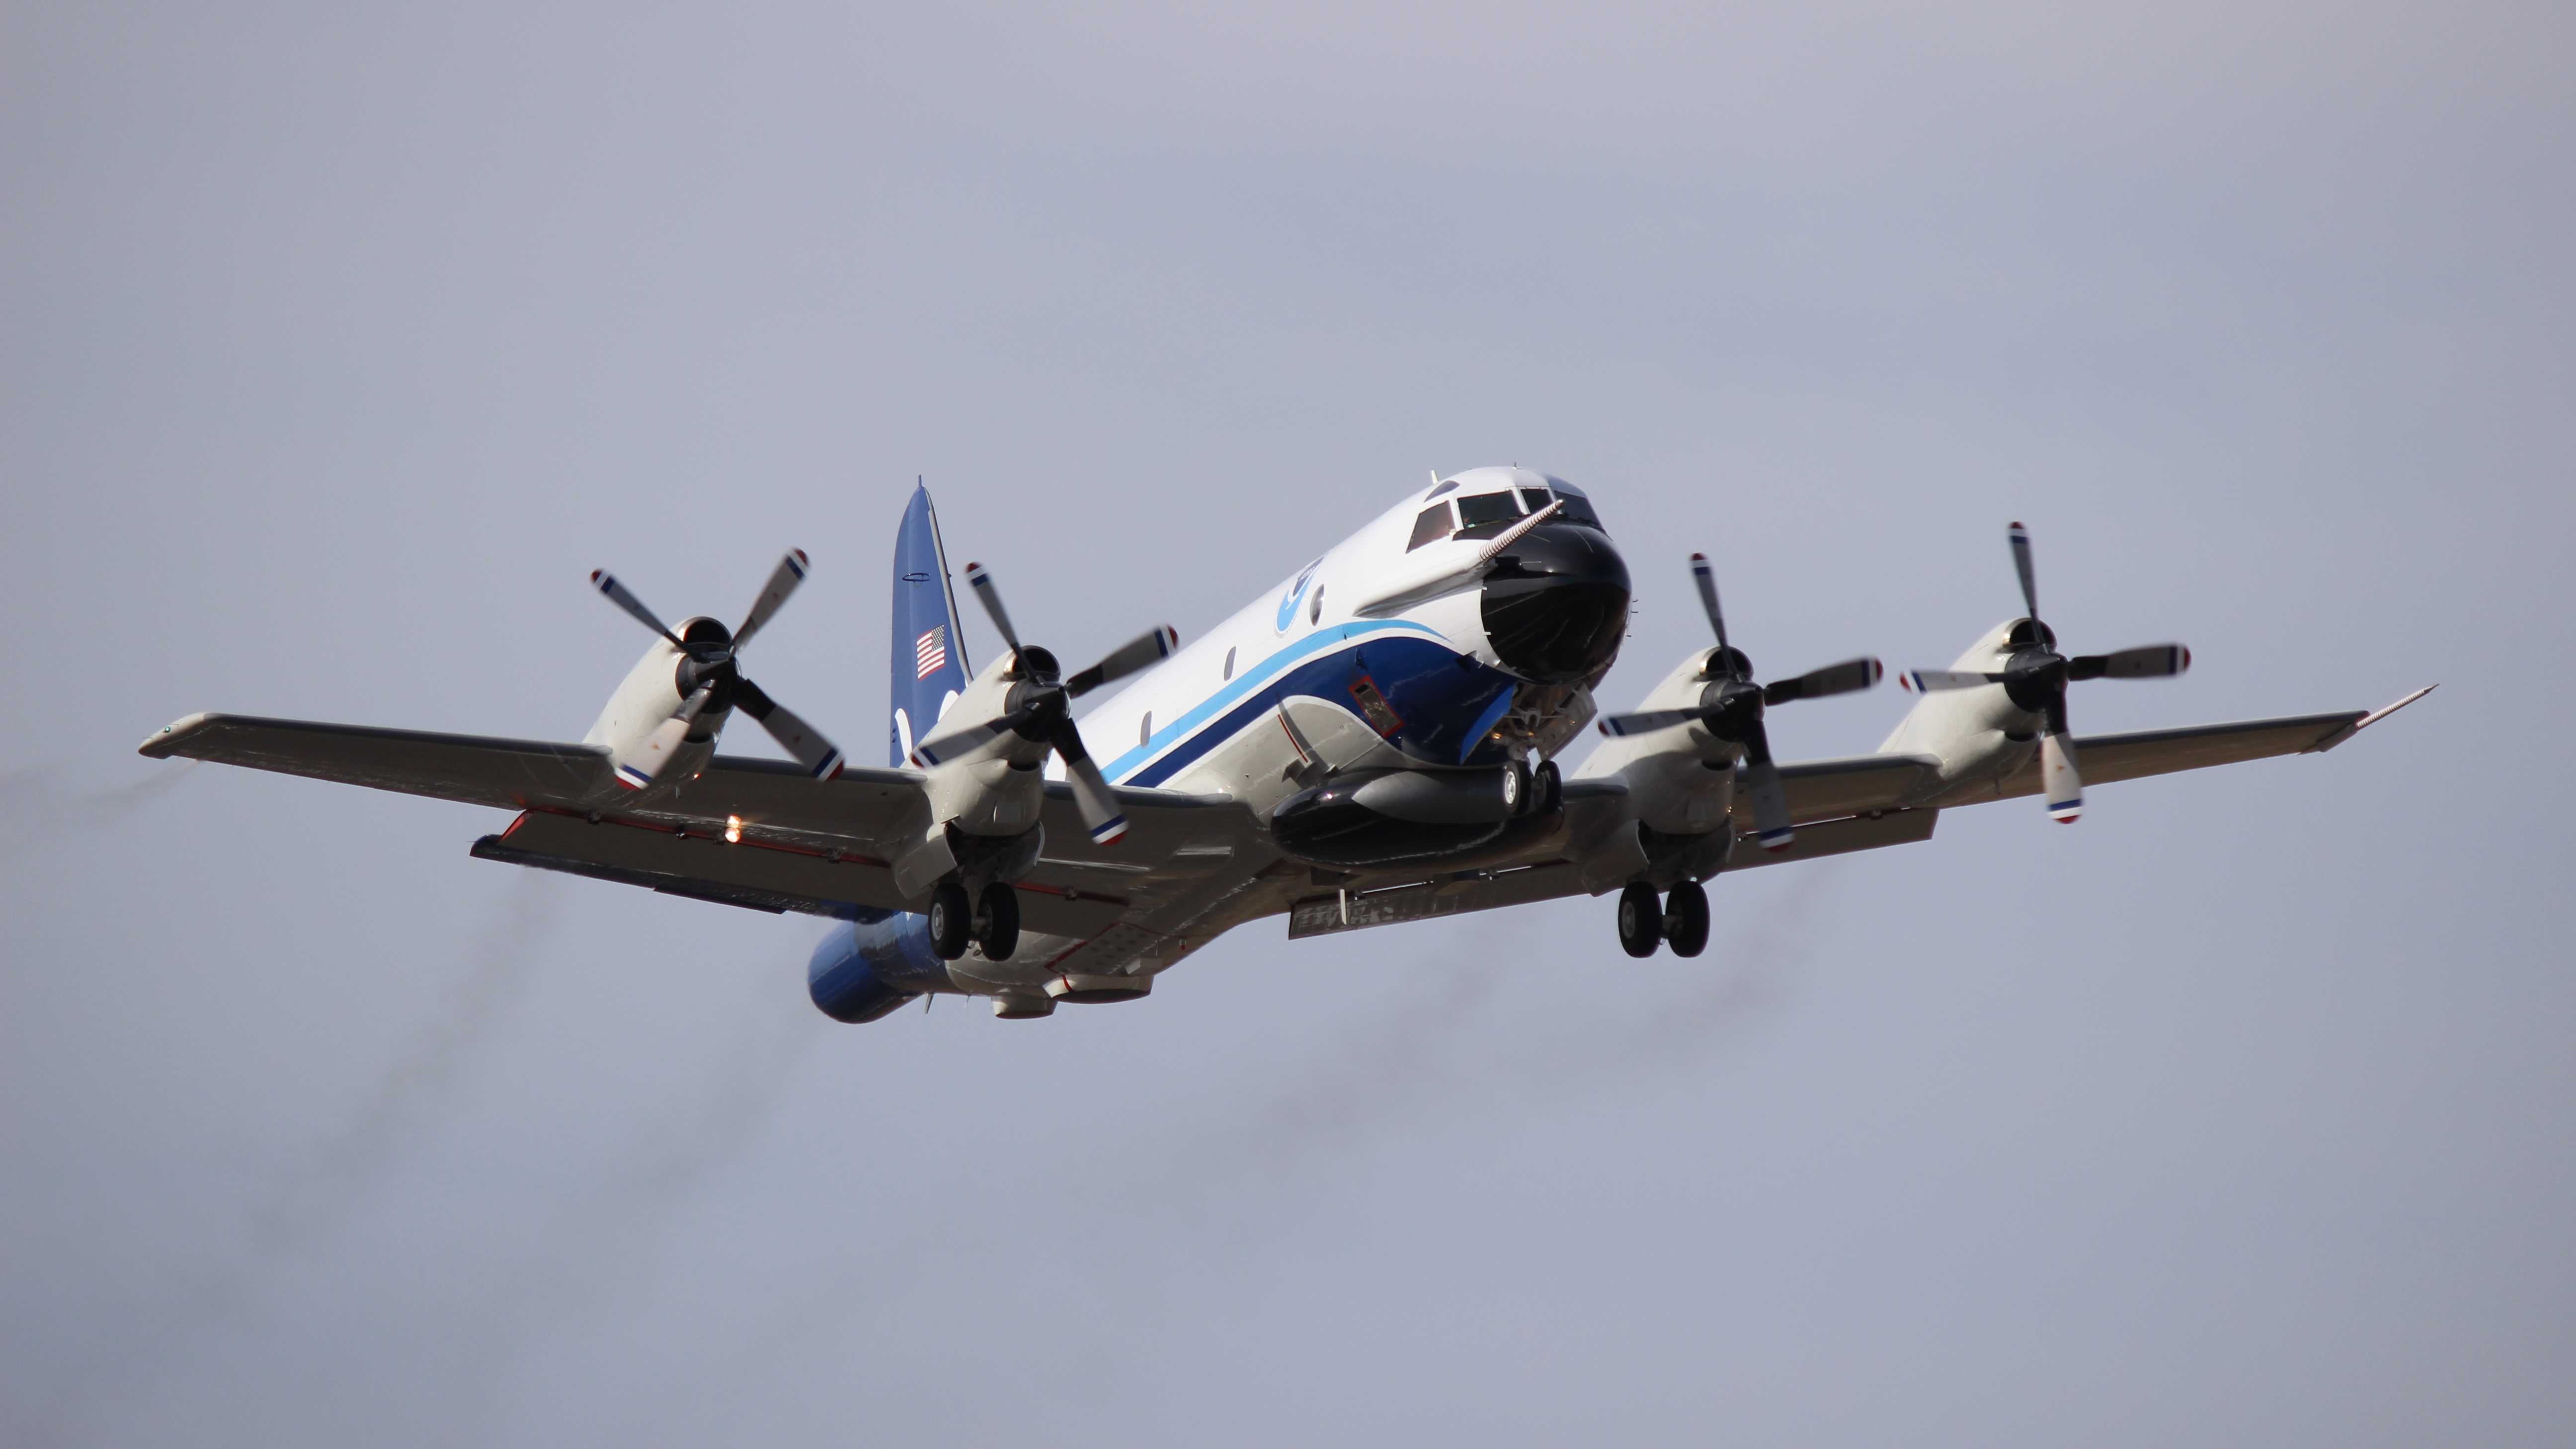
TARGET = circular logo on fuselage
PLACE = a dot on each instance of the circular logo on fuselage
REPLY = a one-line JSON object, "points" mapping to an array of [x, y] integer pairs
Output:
{"points": [[1296, 592]]}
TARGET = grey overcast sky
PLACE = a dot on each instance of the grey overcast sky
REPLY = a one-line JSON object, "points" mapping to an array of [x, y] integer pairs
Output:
{"points": [[341, 341]]}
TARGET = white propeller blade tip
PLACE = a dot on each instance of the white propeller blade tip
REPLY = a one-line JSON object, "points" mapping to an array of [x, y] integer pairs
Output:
{"points": [[1110, 832], [1778, 839], [2066, 812]]}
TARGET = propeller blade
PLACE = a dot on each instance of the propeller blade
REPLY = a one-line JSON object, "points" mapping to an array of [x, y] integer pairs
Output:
{"points": [[1706, 578], [949, 744], [2062, 787], [1619, 726], [619, 595], [2022, 565], [1924, 681], [1840, 678], [2151, 661], [1154, 644], [782, 582], [1762, 782], [649, 760], [802, 740], [982, 583], [1091, 794]]}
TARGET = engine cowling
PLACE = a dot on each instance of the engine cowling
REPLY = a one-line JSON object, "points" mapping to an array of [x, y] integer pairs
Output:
{"points": [[866, 968]]}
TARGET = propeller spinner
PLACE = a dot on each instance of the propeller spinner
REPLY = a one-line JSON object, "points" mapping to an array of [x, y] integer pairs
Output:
{"points": [[710, 679], [1731, 706], [1042, 709], [2035, 677]]}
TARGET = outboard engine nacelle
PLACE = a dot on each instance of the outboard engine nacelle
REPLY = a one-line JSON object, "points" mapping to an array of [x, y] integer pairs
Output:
{"points": [[1381, 818], [866, 968]]}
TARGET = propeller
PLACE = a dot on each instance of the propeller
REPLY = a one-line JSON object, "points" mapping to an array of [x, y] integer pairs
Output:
{"points": [[1042, 708], [1731, 706], [710, 679], [2035, 677]]}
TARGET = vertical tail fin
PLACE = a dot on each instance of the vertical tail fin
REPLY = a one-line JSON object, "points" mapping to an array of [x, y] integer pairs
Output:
{"points": [[929, 659]]}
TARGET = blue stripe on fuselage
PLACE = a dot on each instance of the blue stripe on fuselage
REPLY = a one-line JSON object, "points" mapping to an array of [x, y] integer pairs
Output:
{"points": [[1432, 687]]}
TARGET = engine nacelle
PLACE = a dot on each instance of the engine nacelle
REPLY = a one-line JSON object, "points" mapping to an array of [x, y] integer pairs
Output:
{"points": [[1372, 819], [865, 969]]}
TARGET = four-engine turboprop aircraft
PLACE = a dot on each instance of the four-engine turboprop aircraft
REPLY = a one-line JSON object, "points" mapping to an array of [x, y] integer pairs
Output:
{"points": [[1374, 741]]}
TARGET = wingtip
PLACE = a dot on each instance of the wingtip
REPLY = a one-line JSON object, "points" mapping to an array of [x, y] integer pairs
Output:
{"points": [[163, 742]]}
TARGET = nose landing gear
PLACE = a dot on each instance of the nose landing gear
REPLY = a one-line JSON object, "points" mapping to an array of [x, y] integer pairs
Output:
{"points": [[1680, 919]]}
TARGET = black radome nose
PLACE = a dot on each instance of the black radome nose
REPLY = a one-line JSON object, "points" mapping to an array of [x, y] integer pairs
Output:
{"points": [[1556, 604]]}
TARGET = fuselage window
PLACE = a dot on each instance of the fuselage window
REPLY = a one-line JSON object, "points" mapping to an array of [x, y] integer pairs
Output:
{"points": [[1145, 729], [1229, 664], [1315, 610], [1431, 527]]}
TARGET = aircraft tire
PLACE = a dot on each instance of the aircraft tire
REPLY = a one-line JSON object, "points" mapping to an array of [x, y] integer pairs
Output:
{"points": [[997, 923], [1547, 793], [1641, 920], [1686, 919], [951, 922]]}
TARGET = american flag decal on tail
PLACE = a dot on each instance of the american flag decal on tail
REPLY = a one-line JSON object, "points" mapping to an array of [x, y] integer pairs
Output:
{"points": [[930, 652]]}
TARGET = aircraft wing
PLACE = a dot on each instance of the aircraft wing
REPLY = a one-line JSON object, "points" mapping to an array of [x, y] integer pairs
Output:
{"points": [[467, 768], [2104, 758], [750, 832]]}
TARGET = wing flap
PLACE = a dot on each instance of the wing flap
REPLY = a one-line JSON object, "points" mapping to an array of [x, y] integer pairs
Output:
{"points": [[762, 875], [1326, 915]]}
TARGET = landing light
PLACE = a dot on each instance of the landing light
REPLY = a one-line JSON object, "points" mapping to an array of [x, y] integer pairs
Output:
{"points": [[733, 830]]}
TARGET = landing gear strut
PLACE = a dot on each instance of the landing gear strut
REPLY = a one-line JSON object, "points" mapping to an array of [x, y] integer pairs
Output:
{"points": [[1641, 920]]}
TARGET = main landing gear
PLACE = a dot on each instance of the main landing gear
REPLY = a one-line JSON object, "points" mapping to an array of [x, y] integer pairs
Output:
{"points": [[992, 922], [1681, 919]]}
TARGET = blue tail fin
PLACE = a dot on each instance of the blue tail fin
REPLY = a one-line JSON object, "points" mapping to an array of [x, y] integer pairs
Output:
{"points": [[929, 658]]}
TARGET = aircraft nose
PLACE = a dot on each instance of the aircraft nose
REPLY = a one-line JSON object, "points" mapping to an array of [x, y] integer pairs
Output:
{"points": [[1556, 604]]}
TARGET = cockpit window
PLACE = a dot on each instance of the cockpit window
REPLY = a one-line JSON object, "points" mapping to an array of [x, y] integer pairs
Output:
{"points": [[1575, 508], [1431, 527], [1479, 509]]}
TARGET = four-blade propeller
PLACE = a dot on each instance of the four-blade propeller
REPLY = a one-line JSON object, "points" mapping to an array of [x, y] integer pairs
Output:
{"points": [[710, 680], [2035, 676], [1731, 706], [1041, 709]]}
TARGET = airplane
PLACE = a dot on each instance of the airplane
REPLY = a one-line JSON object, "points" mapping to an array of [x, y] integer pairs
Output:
{"points": [[1374, 741]]}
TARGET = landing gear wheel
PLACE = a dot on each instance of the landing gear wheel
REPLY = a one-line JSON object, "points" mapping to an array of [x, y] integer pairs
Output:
{"points": [[997, 922], [1686, 919], [1547, 790], [950, 920], [1516, 792], [1641, 920]]}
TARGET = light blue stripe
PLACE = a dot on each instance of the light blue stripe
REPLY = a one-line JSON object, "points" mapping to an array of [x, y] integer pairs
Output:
{"points": [[1245, 683]]}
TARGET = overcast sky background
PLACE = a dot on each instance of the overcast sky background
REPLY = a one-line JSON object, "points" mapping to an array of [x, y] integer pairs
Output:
{"points": [[340, 343]]}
